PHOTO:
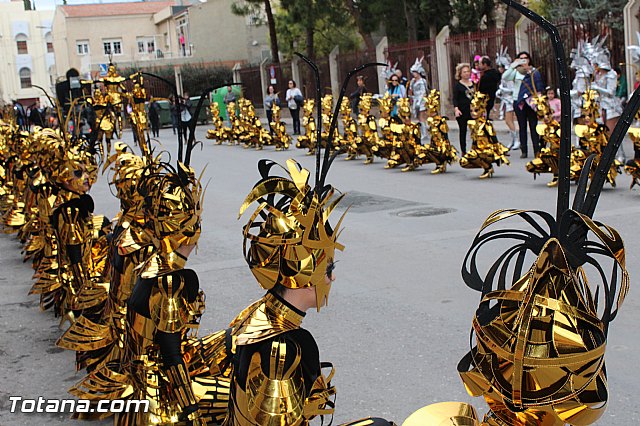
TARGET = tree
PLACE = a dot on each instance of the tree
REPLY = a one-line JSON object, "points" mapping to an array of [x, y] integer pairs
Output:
{"points": [[309, 14], [470, 14], [327, 34], [255, 8]]}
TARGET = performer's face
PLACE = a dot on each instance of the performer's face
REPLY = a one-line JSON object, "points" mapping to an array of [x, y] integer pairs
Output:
{"points": [[477, 112], [79, 183]]}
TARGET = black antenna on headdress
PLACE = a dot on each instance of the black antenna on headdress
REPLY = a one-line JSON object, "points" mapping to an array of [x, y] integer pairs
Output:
{"points": [[565, 102], [323, 169], [328, 157], [194, 119], [178, 106], [316, 74]]}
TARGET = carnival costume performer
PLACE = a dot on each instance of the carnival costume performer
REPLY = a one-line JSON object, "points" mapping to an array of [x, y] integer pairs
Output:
{"points": [[280, 137], [407, 139], [101, 341], [219, 131], [592, 137], [277, 377], [368, 129], [255, 135], [114, 85], [236, 125], [540, 331], [549, 130], [350, 138], [632, 167], [327, 116], [485, 148], [309, 139], [439, 151], [385, 142], [137, 98], [105, 117]]}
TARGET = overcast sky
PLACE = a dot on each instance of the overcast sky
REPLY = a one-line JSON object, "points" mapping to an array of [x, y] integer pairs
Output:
{"points": [[51, 4]]}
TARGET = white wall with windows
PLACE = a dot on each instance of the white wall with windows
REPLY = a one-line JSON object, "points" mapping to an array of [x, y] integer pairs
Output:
{"points": [[26, 49]]}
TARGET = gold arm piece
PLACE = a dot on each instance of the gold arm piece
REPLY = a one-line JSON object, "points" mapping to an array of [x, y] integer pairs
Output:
{"points": [[277, 397]]}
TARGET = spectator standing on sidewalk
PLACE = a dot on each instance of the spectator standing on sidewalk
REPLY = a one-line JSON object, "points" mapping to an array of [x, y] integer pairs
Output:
{"points": [[462, 94], [294, 102], [525, 78], [489, 82]]}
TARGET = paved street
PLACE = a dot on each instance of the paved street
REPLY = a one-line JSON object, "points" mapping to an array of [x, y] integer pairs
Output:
{"points": [[399, 315]]}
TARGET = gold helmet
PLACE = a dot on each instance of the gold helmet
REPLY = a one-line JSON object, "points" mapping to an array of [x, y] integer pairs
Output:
{"points": [[307, 106], [479, 102], [540, 341], [385, 104], [172, 210], [541, 102], [327, 104], [432, 102], [365, 103], [128, 169], [72, 166], [288, 239], [404, 108]]}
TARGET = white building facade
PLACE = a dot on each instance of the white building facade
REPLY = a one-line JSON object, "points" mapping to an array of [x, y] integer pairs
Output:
{"points": [[26, 46]]}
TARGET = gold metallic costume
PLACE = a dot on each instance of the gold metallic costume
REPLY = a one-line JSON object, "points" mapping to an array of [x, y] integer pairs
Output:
{"points": [[309, 139], [350, 139], [386, 141], [219, 133], [632, 167], [439, 151], [546, 160], [254, 134], [406, 139], [593, 138], [485, 148], [368, 129], [281, 138], [236, 125]]}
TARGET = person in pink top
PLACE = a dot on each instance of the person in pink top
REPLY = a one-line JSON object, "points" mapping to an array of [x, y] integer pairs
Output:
{"points": [[475, 72], [554, 102]]}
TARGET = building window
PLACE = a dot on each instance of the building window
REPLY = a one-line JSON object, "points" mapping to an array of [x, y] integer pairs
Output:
{"points": [[146, 45], [112, 47], [25, 78], [82, 47], [49, 40], [21, 44]]}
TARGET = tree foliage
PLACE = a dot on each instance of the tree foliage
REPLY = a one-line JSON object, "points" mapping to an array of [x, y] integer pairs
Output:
{"points": [[472, 14], [315, 27]]}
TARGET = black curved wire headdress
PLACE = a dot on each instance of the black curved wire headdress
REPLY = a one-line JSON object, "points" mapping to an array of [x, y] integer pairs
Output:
{"points": [[324, 160]]}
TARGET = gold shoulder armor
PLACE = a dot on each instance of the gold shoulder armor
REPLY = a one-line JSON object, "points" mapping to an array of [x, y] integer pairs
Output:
{"points": [[276, 397], [580, 130], [70, 227], [540, 128], [169, 310]]}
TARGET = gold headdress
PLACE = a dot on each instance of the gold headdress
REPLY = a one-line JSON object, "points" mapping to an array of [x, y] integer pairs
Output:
{"points": [[479, 101], [404, 108], [542, 106], [172, 210], [432, 102], [288, 240], [365, 103]]}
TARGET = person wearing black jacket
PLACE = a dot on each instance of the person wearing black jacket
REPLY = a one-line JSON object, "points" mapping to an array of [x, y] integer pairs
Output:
{"points": [[462, 94], [354, 97], [489, 82]]}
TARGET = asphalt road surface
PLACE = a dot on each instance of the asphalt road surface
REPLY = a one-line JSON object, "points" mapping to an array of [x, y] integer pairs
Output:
{"points": [[399, 315]]}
